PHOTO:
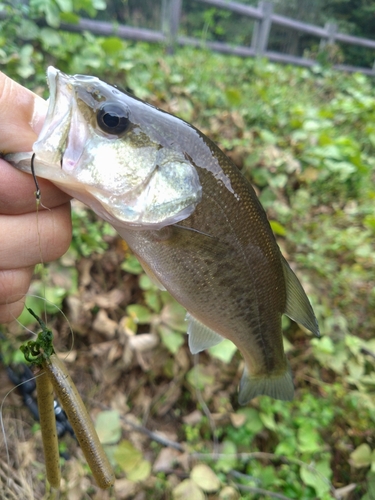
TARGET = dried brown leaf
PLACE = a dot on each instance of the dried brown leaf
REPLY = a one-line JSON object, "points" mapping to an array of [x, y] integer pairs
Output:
{"points": [[165, 460], [237, 419], [111, 299], [143, 342], [125, 489], [193, 418], [103, 324]]}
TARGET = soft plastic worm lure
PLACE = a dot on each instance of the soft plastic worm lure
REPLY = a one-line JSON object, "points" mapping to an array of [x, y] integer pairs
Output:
{"points": [[47, 420], [41, 353]]}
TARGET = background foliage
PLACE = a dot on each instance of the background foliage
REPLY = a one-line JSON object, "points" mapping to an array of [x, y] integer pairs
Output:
{"points": [[306, 140]]}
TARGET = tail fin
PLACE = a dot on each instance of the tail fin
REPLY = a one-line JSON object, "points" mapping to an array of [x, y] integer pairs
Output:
{"points": [[276, 386]]}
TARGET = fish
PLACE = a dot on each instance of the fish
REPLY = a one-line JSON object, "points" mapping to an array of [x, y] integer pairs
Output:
{"points": [[188, 214]]}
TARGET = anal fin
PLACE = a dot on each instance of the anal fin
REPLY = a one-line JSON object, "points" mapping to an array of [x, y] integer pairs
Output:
{"points": [[200, 336]]}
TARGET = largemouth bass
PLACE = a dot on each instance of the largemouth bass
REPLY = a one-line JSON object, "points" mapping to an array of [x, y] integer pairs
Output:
{"points": [[187, 213]]}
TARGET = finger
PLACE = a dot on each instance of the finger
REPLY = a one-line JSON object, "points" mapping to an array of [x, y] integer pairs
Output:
{"points": [[14, 284], [44, 237], [10, 312], [17, 192], [22, 114]]}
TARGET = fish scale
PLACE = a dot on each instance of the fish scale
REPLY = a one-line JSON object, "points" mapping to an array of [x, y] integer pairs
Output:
{"points": [[241, 324], [186, 211]]}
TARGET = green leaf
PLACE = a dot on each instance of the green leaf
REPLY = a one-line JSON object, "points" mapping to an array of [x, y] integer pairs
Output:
{"points": [[188, 490], [254, 423], [69, 17], [316, 477], [361, 456], [278, 181], [205, 478], [50, 37], [145, 283], [233, 96], [277, 228], [287, 447], [99, 4], [174, 316], [141, 472], [65, 5], [370, 487], [54, 297], [108, 426], [111, 45], [27, 30], [52, 15], [37, 305], [140, 314], [324, 345], [152, 300], [223, 351], [127, 457], [228, 459], [268, 421], [369, 221], [199, 378], [268, 476], [171, 339], [309, 439], [132, 265]]}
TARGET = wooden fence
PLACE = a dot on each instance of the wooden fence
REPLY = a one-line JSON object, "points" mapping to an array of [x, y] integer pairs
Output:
{"points": [[263, 18]]}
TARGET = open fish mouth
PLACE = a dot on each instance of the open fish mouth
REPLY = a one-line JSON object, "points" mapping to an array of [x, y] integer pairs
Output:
{"points": [[59, 110]]}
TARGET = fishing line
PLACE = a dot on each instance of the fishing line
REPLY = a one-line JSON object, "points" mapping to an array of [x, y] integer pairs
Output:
{"points": [[2, 425], [70, 348], [60, 311], [38, 198], [41, 353], [206, 411]]}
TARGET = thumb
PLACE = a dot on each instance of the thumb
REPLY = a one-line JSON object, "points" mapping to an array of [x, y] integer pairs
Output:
{"points": [[21, 116]]}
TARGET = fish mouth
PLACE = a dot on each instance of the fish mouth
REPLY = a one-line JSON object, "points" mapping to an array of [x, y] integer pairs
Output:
{"points": [[52, 76], [59, 111], [50, 142]]}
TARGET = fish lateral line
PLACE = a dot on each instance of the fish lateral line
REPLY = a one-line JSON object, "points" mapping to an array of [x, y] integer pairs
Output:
{"points": [[195, 231]]}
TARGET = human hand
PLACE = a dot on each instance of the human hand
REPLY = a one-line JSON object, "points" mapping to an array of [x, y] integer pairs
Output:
{"points": [[26, 238]]}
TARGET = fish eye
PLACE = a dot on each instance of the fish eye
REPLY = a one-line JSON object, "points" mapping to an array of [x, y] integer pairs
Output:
{"points": [[113, 118]]}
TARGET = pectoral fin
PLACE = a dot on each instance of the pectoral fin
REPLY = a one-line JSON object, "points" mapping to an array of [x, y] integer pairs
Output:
{"points": [[278, 386], [200, 336], [298, 306]]}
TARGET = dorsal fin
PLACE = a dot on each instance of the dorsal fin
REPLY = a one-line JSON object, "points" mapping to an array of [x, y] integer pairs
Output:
{"points": [[298, 306], [200, 336]]}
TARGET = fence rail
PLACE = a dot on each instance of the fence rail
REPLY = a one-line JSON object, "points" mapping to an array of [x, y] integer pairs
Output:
{"points": [[263, 18]]}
